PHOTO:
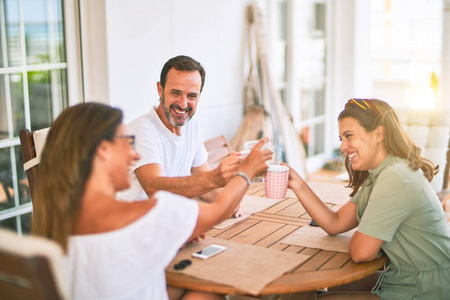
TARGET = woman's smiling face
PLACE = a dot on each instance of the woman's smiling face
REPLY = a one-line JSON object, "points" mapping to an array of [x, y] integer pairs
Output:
{"points": [[365, 150]]}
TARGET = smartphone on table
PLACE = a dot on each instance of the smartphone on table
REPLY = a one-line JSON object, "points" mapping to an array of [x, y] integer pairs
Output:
{"points": [[209, 251]]}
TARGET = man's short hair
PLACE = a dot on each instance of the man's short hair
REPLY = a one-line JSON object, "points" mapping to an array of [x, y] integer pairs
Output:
{"points": [[182, 63]]}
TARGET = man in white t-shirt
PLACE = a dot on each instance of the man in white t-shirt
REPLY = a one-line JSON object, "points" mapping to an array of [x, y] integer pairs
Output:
{"points": [[173, 157]]}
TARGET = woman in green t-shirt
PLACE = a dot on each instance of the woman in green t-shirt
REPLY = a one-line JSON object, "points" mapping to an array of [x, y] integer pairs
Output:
{"points": [[393, 205]]}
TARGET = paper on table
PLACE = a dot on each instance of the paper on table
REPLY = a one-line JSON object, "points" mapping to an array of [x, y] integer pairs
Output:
{"points": [[327, 191], [249, 206], [316, 237], [246, 267]]}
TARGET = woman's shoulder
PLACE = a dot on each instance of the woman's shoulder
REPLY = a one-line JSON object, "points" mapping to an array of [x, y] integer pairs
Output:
{"points": [[168, 200], [163, 206], [118, 216], [105, 214], [398, 166], [401, 175]]}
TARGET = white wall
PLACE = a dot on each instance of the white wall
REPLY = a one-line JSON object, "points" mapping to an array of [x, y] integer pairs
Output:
{"points": [[94, 53], [141, 35]]}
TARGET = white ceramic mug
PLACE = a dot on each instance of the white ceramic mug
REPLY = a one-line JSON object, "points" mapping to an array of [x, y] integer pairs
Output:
{"points": [[248, 146]]}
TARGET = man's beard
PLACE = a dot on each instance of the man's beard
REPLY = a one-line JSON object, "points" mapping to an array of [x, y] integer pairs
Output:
{"points": [[176, 121]]}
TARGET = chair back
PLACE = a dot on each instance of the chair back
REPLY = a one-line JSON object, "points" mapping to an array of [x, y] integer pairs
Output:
{"points": [[218, 148], [32, 144], [430, 130], [30, 268]]}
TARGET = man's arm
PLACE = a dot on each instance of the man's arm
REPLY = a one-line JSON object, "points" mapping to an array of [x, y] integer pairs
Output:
{"points": [[208, 196], [200, 182]]}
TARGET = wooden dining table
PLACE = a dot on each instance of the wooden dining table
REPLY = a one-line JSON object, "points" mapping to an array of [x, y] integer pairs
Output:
{"points": [[268, 228]]}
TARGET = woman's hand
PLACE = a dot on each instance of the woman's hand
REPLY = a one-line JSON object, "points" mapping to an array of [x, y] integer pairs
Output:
{"points": [[296, 182], [196, 239], [237, 212]]}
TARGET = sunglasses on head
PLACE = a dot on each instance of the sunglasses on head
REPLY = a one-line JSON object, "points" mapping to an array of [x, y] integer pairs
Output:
{"points": [[365, 104]]}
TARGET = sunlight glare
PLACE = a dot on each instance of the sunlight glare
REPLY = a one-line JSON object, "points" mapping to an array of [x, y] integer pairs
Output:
{"points": [[421, 98]]}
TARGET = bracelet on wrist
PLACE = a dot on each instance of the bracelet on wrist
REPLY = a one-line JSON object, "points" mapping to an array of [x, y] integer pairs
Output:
{"points": [[243, 175]]}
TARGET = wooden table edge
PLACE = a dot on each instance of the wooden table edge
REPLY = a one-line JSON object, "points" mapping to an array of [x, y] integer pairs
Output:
{"points": [[288, 283]]}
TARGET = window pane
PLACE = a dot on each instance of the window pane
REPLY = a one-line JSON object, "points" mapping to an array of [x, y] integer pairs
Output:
{"points": [[319, 143], [25, 221], [319, 102], [48, 92], [282, 93], [7, 178], [305, 100], [304, 134], [22, 181], [12, 85], [3, 113], [9, 224], [9, 16], [280, 46], [44, 31], [320, 19], [282, 16], [18, 107], [6, 183]]}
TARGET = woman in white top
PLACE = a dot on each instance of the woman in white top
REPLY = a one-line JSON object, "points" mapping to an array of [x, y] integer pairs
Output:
{"points": [[118, 250]]}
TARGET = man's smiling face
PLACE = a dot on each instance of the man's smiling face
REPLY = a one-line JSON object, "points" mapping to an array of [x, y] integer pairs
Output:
{"points": [[180, 96]]}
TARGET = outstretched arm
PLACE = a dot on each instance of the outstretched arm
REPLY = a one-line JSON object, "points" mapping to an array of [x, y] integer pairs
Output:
{"points": [[362, 246], [225, 203], [201, 182], [333, 222], [228, 168]]}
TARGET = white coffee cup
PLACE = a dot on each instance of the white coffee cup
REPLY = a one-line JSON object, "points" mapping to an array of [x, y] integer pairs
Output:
{"points": [[248, 146]]}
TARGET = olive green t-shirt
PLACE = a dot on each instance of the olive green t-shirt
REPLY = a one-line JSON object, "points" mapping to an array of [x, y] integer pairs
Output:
{"points": [[398, 205]]}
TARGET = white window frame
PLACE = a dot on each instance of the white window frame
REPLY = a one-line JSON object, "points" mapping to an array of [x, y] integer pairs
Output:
{"points": [[74, 86], [73, 51]]}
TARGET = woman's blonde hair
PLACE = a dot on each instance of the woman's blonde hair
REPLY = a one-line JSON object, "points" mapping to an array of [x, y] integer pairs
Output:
{"points": [[66, 165], [371, 113]]}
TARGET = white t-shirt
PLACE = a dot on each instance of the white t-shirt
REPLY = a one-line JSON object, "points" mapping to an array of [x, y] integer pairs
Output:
{"points": [[176, 154], [129, 263]]}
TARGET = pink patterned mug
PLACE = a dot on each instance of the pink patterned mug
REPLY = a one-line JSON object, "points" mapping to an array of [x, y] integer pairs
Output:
{"points": [[276, 182]]}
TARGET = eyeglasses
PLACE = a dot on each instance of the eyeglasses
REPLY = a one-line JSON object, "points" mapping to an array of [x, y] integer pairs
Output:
{"points": [[131, 138]]}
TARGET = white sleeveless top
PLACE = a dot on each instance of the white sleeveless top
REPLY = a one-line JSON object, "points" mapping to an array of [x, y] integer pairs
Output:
{"points": [[129, 263]]}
